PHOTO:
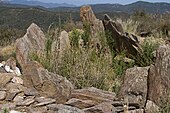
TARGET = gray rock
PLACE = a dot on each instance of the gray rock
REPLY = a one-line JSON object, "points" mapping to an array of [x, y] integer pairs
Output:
{"points": [[64, 108], [2, 95], [134, 87]]}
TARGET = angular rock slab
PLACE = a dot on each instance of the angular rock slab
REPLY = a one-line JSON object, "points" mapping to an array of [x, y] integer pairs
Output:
{"points": [[134, 87], [122, 42], [47, 84], [94, 94], [159, 76], [33, 42], [81, 104]]}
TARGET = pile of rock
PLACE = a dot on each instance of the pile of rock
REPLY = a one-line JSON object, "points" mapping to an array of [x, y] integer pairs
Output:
{"points": [[10, 67]]}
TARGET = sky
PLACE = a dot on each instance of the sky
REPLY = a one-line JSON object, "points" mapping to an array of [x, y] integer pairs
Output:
{"points": [[82, 2]]}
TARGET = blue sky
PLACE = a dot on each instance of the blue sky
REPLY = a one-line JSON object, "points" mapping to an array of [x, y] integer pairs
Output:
{"points": [[81, 2]]}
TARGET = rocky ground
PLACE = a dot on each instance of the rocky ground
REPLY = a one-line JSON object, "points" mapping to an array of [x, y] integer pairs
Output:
{"points": [[39, 91]]}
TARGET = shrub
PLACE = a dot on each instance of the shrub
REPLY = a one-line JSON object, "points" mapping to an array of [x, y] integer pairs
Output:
{"points": [[147, 57]]}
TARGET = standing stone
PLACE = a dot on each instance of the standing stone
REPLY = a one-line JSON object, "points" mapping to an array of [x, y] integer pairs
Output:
{"points": [[121, 42], [32, 42], [134, 87], [89, 18], [159, 76], [64, 41]]}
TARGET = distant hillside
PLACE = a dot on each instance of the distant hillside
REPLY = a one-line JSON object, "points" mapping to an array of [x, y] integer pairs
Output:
{"points": [[154, 8], [38, 3]]}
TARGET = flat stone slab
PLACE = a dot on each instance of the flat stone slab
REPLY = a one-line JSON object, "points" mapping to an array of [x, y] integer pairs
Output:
{"points": [[28, 101], [44, 101]]}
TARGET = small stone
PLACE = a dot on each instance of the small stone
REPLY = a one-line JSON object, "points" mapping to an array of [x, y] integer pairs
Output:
{"points": [[44, 101], [28, 101], [13, 111], [2, 95], [30, 92], [64, 108], [10, 96], [151, 107], [17, 80], [81, 104], [18, 98]]}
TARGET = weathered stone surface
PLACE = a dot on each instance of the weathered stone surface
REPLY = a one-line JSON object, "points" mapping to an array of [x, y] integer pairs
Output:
{"points": [[64, 108], [134, 87], [122, 42], [94, 94], [81, 104], [44, 101], [26, 102], [5, 78], [2, 95], [151, 107], [105, 107], [42, 81], [159, 79], [32, 42]]}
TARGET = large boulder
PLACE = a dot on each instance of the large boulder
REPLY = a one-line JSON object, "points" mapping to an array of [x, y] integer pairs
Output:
{"points": [[159, 76], [32, 42], [46, 83], [134, 87], [120, 42]]}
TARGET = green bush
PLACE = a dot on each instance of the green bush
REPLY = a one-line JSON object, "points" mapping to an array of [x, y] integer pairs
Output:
{"points": [[147, 57]]}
